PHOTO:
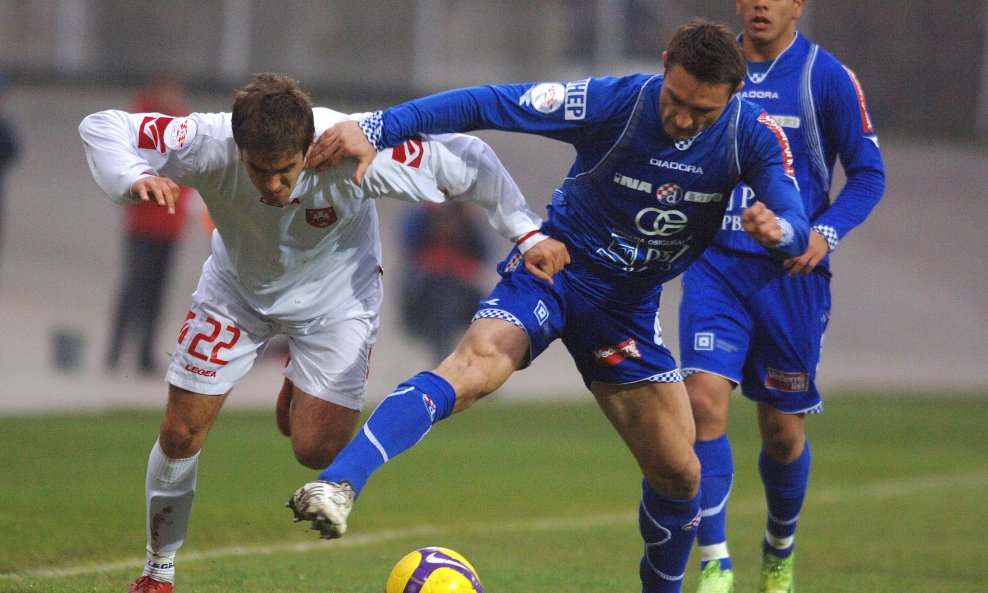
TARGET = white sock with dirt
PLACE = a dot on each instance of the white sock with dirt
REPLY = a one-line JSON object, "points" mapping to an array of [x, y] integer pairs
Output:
{"points": [[169, 490]]}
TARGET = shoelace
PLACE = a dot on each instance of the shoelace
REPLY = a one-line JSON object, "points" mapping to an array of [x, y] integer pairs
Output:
{"points": [[322, 491]]}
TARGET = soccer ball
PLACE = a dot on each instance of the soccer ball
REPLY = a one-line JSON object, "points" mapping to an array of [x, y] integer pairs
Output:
{"points": [[433, 570]]}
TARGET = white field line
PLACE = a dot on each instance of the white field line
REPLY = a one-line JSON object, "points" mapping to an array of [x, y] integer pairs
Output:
{"points": [[832, 495]]}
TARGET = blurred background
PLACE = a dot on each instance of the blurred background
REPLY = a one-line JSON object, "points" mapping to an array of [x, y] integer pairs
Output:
{"points": [[910, 286]]}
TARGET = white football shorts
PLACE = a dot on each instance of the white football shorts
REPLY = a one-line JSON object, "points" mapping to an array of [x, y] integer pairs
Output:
{"points": [[223, 337]]}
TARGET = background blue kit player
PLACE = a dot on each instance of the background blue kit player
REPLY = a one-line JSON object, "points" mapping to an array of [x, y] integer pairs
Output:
{"points": [[747, 320]]}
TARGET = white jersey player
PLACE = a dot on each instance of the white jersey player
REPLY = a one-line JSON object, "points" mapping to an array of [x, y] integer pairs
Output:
{"points": [[295, 252]]}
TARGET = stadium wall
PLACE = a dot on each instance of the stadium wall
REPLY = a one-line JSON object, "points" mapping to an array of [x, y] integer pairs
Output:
{"points": [[923, 67]]}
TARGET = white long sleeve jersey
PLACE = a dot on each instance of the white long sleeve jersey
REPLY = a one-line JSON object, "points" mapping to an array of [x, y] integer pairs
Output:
{"points": [[322, 251]]}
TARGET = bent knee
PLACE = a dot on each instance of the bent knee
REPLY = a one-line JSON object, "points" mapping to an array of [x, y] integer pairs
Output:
{"points": [[314, 458], [785, 448], [180, 441], [317, 455], [783, 438], [488, 354], [679, 481]]}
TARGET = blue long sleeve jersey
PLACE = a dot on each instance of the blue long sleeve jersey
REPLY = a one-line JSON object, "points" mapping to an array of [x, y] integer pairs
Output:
{"points": [[820, 104], [637, 207]]}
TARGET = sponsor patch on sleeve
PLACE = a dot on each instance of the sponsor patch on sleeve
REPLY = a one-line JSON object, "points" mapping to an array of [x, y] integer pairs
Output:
{"points": [[544, 98], [162, 133], [576, 99]]}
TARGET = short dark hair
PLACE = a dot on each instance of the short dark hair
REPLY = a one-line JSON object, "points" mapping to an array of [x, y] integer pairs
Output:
{"points": [[709, 52], [272, 116]]}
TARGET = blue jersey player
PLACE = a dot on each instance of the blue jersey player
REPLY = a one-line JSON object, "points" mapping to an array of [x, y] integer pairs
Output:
{"points": [[747, 320], [656, 160]]}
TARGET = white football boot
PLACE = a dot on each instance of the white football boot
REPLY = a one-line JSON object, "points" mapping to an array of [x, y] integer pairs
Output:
{"points": [[326, 504]]}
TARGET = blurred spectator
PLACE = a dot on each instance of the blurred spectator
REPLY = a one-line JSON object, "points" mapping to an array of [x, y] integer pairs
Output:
{"points": [[151, 239], [9, 150], [447, 249]]}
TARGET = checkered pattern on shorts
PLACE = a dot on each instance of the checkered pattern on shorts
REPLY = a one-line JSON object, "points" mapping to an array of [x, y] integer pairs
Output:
{"points": [[499, 314], [673, 376]]}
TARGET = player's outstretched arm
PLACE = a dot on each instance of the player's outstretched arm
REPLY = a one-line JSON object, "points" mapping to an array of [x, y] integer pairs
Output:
{"points": [[161, 190], [546, 258], [343, 140]]}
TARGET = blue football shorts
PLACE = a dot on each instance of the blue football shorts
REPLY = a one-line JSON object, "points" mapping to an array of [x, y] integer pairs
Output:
{"points": [[745, 319], [609, 343]]}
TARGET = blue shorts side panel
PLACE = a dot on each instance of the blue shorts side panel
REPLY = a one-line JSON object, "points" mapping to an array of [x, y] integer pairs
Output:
{"points": [[745, 319]]}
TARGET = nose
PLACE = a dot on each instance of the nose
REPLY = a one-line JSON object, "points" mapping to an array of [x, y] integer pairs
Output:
{"points": [[272, 182], [683, 119]]}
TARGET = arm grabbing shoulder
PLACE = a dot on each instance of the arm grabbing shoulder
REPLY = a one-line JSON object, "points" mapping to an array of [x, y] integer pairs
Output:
{"points": [[342, 140]]}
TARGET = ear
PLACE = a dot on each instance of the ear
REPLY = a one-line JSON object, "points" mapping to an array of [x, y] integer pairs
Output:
{"points": [[736, 90], [665, 59], [798, 9]]}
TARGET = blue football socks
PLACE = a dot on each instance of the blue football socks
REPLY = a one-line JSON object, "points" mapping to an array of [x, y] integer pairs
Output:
{"points": [[397, 424], [785, 489], [717, 465], [669, 529]]}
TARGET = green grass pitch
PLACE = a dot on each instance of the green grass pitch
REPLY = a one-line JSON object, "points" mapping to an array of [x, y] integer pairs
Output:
{"points": [[541, 497]]}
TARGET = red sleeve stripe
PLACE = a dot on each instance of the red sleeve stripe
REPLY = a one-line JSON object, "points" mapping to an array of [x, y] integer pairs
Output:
{"points": [[526, 236], [862, 105]]}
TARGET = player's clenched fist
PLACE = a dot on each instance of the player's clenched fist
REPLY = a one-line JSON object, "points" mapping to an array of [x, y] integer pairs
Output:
{"points": [[761, 224], [161, 190]]}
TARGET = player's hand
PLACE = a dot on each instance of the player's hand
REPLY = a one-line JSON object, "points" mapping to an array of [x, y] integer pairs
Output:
{"points": [[761, 224], [161, 190], [817, 250], [343, 140], [546, 258]]}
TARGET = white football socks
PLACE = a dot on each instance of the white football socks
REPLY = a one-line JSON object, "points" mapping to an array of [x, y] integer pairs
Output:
{"points": [[169, 490]]}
